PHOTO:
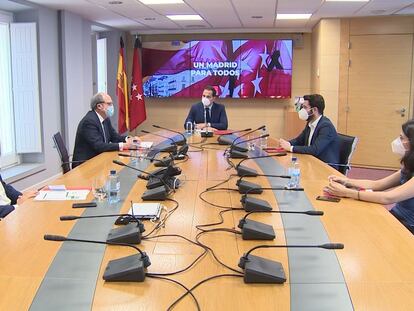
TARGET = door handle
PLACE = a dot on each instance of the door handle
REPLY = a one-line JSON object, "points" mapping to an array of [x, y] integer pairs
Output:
{"points": [[401, 111]]}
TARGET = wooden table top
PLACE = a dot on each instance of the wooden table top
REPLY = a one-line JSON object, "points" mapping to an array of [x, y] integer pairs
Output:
{"points": [[377, 261]]}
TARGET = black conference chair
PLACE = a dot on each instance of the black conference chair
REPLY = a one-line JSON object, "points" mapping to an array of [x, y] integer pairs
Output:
{"points": [[63, 152], [347, 145]]}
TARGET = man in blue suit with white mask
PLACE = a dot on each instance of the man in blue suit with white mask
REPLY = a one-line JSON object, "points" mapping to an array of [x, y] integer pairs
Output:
{"points": [[207, 113]]}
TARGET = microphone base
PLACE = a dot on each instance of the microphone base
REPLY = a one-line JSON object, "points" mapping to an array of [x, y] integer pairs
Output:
{"points": [[235, 154], [245, 186], [253, 204], [254, 230], [206, 134], [164, 162], [130, 234], [225, 140], [156, 194], [260, 270], [246, 171], [127, 269]]}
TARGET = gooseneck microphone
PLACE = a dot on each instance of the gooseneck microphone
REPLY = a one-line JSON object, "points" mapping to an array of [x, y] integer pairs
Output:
{"points": [[130, 234], [238, 154], [174, 143], [255, 230], [247, 171], [250, 132], [261, 270], [179, 151], [179, 142], [155, 194], [224, 140], [130, 268]]}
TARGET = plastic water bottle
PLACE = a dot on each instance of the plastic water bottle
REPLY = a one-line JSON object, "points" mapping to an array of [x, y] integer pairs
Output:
{"points": [[134, 152], [263, 140], [189, 127], [294, 173], [114, 187]]}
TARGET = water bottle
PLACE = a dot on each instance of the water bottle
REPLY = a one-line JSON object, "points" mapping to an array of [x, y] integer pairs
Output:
{"points": [[114, 187], [294, 173], [189, 127], [134, 152], [263, 140]]}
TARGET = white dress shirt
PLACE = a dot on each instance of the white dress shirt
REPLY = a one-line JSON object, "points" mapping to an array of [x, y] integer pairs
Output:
{"points": [[312, 126]]}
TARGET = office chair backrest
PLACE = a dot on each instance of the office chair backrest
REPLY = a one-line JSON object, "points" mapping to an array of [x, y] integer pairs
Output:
{"points": [[347, 145], [63, 152]]}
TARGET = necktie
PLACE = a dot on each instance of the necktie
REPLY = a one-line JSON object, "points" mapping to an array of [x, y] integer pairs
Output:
{"points": [[208, 118], [103, 129]]}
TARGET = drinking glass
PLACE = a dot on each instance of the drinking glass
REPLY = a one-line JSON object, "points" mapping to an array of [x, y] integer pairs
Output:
{"points": [[99, 187]]}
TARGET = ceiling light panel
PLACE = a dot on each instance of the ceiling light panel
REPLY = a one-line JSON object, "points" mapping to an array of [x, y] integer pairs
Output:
{"points": [[245, 9], [219, 14]]}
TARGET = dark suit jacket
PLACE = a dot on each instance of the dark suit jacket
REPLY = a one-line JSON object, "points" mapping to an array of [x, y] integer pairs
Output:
{"points": [[324, 144], [217, 114], [13, 195], [90, 140]]}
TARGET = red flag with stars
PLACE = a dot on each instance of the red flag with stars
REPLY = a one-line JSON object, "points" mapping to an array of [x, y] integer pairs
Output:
{"points": [[137, 113]]}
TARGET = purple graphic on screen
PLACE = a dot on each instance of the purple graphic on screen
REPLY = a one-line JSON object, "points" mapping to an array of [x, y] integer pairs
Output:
{"points": [[236, 68]]}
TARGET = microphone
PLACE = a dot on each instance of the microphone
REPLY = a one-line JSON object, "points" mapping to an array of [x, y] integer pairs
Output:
{"points": [[131, 268], [206, 132], [130, 233], [251, 204], [163, 162], [170, 148], [243, 149], [247, 171], [178, 142], [183, 149], [172, 172], [235, 154], [260, 270], [255, 230], [222, 140], [155, 194]]}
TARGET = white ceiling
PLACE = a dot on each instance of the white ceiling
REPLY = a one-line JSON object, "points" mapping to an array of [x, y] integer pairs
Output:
{"points": [[218, 15]]}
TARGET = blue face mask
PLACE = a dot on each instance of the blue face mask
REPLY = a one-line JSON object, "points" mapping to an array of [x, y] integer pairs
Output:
{"points": [[110, 111]]}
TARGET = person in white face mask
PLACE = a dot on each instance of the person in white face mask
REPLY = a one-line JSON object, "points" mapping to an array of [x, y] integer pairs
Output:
{"points": [[319, 138], [397, 188], [208, 113], [95, 133]]}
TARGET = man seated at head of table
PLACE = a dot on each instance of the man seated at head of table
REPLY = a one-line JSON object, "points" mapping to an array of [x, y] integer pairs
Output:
{"points": [[397, 188], [319, 138], [10, 198], [95, 133], [208, 113]]}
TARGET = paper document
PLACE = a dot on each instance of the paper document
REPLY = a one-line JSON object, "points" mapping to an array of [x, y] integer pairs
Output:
{"points": [[146, 144], [146, 210], [59, 195]]}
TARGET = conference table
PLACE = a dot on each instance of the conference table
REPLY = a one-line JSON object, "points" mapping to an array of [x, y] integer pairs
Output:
{"points": [[374, 271]]}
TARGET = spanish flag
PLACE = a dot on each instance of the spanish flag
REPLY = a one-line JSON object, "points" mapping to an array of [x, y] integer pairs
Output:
{"points": [[122, 92]]}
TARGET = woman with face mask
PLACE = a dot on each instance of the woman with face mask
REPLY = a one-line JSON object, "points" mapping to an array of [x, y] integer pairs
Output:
{"points": [[397, 188]]}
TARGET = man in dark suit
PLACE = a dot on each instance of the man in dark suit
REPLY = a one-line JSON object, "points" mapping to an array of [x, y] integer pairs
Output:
{"points": [[10, 198], [319, 138], [207, 113], [95, 133]]}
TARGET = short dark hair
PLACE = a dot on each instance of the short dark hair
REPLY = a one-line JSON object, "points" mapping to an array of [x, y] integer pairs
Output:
{"points": [[316, 100], [212, 89], [408, 159]]}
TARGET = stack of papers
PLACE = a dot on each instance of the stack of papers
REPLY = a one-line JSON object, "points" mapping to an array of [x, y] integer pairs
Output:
{"points": [[61, 193]]}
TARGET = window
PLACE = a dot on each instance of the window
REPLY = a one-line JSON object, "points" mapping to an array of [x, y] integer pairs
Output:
{"points": [[101, 57], [8, 155], [19, 88]]}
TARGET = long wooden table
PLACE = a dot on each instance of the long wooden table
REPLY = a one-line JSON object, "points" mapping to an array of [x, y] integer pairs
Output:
{"points": [[377, 262]]}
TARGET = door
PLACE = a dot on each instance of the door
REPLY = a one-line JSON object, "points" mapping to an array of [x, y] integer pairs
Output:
{"points": [[379, 95]]}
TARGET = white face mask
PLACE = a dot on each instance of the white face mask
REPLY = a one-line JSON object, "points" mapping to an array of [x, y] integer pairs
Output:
{"points": [[398, 147], [205, 101], [303, 114]]}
